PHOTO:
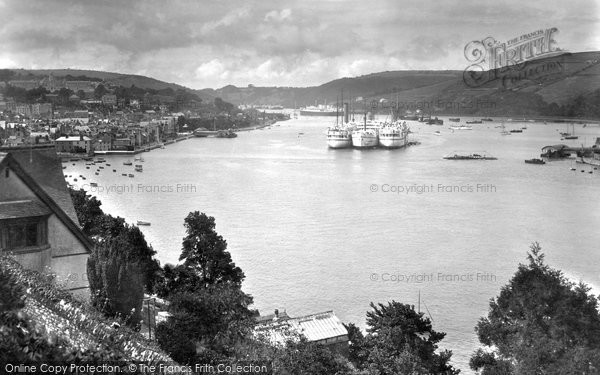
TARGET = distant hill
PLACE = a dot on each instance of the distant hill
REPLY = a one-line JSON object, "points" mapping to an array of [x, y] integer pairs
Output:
{"points": [[117, 79], [554, 85], [530, 88]]}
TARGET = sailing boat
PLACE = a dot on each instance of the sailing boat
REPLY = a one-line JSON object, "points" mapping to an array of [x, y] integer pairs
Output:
{"points": [[339, 136], [572, 135]]}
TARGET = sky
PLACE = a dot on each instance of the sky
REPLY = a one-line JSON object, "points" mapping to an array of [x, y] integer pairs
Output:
{"points": [[213, 43]]}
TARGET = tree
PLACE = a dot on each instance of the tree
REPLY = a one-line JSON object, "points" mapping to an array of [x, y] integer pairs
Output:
{"points": [[541, 323], [307, 358], [399, 341], [99, 91], [88, 211], [222, 105], [116, 280], [213, 320], [100, 226], [204, 252]]}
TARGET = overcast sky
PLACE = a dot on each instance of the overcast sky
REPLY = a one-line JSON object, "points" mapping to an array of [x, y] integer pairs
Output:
{"points": [[202, 43]]}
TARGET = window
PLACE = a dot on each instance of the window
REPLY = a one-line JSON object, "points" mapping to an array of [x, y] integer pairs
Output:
{"points": [[23, 233]]}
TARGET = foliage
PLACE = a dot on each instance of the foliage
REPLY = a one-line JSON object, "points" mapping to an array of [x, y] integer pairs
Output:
{"points": [[88, 211], [39, 336], [95, 223], [541, 323], [204, 252], [116, 280], [214, 320], [306, 358], [207, 306], [399, 341]]}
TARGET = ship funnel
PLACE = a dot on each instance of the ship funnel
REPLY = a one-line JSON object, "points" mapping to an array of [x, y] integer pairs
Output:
{"points": [[346, 113]]}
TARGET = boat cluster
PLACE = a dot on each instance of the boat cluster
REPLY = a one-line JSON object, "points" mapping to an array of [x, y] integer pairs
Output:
{"points": [[369, 134]]}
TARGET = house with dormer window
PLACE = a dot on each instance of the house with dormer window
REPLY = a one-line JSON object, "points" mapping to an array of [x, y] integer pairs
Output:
{"points": [[38, 222]]}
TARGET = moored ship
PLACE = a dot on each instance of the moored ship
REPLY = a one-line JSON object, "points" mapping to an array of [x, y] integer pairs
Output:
{"points": [[393, 135], [365, 138], [321, 110], [339, 137]]}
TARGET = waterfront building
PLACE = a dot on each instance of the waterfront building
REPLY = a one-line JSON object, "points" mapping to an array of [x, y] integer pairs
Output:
{"points": [[38, 223], [74, 145]]}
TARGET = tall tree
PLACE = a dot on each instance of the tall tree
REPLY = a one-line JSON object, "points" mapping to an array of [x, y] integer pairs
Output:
{"points": [[399, 341], [541, 323], [205, 252], [116, 280]]}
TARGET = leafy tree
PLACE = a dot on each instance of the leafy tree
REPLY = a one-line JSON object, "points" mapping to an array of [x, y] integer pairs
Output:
{"points": [[99, 91], [213, 321], [95, 223], [204, 252], [399, 341], [541, 323], [88, 211], [116, 280], [307, 358]]}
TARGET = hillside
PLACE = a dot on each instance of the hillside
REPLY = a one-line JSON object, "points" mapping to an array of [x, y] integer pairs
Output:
{"points": [[530, 88], [117, 79]]}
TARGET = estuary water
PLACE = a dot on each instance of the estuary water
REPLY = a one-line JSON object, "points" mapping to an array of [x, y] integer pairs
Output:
{"points": [[316, 229]]}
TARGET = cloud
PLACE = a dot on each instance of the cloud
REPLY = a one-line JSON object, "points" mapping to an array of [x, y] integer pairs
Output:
{"points": [[212, 43]]}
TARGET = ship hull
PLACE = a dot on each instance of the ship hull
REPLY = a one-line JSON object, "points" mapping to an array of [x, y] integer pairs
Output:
{"points": [[319, 113], [392, 142], [364, 140]]}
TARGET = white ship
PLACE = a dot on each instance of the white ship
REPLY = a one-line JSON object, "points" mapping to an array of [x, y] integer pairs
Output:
{"points": [[339, 137], [365, 138], [394, 135]]}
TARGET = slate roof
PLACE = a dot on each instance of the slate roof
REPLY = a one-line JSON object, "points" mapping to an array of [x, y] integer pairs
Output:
{"points": [[41, 169], [22, 209], [44, 166]]}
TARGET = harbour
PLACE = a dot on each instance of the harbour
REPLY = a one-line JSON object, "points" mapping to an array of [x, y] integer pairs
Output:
{"points": [[311, 225]]}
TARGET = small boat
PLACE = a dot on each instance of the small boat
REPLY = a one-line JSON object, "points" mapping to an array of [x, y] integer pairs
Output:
{"points": [[87, 167], [482, 156], [107, 164], [128, 162], [101, 167], [535, 161], [97, 173], [226, 134], [139, 222], [139, 168], [131, 175], [93, 184], [124, 174], [475, 122], [571, 137], [114, 170], [516, 131], [437, 132], [487, 119], [461, 127], [454, 119], [74, 179]]}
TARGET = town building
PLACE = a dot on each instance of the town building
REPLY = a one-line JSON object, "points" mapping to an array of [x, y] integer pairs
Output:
{"points": [[38, 222], [74, 145]]}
